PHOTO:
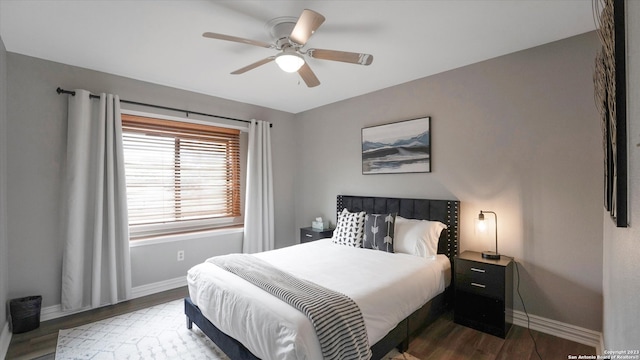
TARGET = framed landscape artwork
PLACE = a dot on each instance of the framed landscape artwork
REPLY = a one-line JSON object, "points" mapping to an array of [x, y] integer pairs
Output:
{"points": [[611, 96], [401, 147]]}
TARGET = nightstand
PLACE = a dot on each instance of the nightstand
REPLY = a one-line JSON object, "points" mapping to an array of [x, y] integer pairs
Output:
{"points": [[484, 293], [310, 234]]}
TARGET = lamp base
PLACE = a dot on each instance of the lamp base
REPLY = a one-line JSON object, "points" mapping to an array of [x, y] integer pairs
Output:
{"points": [[490, 255]]}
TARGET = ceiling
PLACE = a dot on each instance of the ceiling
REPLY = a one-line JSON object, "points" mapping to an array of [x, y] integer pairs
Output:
{"points": [[161, 41]]}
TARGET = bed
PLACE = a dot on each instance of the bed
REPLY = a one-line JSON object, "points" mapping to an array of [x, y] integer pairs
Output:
{"points": [[199, 308]]}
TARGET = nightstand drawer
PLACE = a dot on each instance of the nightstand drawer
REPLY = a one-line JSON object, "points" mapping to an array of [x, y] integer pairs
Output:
{"points": [[493, 288], [478, 270], [479, 278], [310, 234], [481, 313]]}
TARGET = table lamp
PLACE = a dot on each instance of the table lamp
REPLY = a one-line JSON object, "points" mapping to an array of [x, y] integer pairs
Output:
{"points": [[493, 255]]}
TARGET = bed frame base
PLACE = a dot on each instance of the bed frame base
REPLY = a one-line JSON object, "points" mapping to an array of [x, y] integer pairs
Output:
{"points": [[230, 346], [398, 338]]}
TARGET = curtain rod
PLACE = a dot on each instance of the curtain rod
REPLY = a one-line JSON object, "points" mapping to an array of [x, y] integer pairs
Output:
{"points": [[92, 96]]}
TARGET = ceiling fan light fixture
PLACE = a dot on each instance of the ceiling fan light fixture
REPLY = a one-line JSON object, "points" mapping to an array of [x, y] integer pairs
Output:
{"points": [[290, 35], [289, 61]]}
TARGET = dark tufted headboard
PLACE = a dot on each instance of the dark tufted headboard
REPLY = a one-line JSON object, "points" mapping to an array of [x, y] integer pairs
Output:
{"points": [[445, 211]]}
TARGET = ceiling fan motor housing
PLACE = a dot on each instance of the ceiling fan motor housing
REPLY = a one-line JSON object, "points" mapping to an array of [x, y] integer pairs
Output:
{"points": [[279, 29]]}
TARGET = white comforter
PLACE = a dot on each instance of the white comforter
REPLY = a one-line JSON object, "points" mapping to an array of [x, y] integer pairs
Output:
{"points": [[387, 288]]}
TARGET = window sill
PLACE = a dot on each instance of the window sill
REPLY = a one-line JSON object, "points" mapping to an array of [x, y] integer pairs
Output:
{"points": [[185, 236]]}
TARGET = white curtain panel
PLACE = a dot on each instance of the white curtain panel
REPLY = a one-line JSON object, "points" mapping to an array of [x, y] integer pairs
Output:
{"points": [[96, 267], [258, 213]]}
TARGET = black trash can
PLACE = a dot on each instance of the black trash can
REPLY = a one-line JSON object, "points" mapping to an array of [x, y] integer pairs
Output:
{"points": [[25, 313]]}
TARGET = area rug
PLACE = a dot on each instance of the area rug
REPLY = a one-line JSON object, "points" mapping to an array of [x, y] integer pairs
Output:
{"points": [[158, 332], [396, 355]]}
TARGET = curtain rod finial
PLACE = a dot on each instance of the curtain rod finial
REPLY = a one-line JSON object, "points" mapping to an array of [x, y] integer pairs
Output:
{"points": [[60, 90]]}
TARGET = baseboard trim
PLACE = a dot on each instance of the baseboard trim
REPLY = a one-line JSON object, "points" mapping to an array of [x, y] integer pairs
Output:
{"points": [[538, 323], [560, 329], [5, 340], [149, 289], [55, 311]]}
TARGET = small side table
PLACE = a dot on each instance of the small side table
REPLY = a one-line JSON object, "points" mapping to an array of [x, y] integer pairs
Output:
{"points": [[484, 293], [310, 234]]}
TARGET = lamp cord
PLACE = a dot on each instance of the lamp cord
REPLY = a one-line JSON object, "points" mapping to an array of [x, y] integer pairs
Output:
{"points": [[535, 345]]}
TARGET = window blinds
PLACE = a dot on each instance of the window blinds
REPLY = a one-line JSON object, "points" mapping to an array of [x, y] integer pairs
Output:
{"points": [[180, 172]]}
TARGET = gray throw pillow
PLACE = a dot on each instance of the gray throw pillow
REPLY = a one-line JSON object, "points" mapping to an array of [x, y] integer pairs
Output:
{"points": [[379, 231]]}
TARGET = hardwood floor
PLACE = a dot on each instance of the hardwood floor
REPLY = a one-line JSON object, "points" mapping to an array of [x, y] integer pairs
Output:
{"points": [[445, 339], [441, 340], [41, 343]]}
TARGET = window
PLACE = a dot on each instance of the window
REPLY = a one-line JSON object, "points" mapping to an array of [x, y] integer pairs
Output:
{"points": [[180, 176]]}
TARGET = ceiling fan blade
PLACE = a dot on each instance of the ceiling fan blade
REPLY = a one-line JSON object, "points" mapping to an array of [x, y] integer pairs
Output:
{"points": [[344, 56], [308, 76], [237, 39], [253, 66], [308, 22]]}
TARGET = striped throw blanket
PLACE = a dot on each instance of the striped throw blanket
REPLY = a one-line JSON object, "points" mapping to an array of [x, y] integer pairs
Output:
{"points": [[337, 319]]}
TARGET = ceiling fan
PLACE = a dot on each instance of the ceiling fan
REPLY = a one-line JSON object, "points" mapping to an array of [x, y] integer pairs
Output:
{"points": [[290, 36]]}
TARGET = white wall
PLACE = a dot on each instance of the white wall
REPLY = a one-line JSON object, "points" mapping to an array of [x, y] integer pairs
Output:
{"points": [[519, 135], [36, 148], [621, 264], [4, 259]]}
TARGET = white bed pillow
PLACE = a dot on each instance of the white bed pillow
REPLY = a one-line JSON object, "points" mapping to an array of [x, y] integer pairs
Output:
{"points": [[349, 229], [417, 237]]}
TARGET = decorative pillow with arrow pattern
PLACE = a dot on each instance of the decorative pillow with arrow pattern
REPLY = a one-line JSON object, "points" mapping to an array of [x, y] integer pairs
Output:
{"points": [[379, 231]]}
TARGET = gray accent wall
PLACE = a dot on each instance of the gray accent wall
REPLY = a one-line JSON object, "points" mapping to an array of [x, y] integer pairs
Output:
{"points": [[517, 134], [36, 150], [4, 257], [621, 287]]}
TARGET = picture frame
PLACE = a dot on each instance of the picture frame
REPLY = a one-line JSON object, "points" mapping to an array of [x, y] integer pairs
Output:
{"points": [[610, 93], [396, 148]]}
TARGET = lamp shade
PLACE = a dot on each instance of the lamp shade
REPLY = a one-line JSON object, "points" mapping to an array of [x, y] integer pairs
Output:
{"points": [[481, 224], [494, 255], [289, 61]]}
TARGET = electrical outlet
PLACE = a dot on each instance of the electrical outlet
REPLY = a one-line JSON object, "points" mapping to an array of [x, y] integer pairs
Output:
{"points": [[180, 255]]}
